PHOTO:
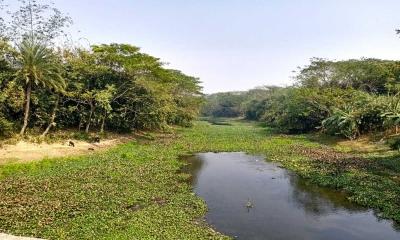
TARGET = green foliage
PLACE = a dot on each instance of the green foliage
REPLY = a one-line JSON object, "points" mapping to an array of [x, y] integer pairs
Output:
{"points": [[345, 122], [118, 86], [391, 114], [296, 110], [114, 87], [394, 143], [223, 104], [347, 98], [6, 127], [370, 75], [258, 101], [358, 113], [36, 64]]}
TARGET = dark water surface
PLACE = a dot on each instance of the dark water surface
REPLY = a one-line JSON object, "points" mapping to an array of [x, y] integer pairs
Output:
{"points": [[281, 205]]}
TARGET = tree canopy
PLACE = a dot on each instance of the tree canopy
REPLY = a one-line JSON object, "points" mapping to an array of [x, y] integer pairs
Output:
{"points": [[108, 86]]}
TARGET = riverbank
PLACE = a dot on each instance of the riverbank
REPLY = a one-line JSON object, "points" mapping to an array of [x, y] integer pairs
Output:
{"points": [[134, 190]]}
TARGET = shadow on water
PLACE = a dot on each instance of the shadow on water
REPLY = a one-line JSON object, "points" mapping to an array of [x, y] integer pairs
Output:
{"points": [[249, 198]]}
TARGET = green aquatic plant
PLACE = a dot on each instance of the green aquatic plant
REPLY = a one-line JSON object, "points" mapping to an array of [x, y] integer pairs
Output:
{"points": [[136, 191]]}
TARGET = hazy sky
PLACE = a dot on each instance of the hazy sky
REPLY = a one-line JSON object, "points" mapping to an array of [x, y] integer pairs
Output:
{"points": [[240, 44]]}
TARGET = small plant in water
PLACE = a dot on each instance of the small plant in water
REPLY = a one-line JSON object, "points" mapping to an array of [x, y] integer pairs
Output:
{"points": [[249, 204]]}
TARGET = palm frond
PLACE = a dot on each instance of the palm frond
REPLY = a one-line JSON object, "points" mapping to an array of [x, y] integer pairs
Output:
{"points": [[38, 65]]}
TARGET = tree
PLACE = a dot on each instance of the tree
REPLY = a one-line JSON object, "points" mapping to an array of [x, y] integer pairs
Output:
{"points": [[2, 21], [9, 94], [32, 28], [370, 75], [224, 104], [39, 19], [187, 97], [92, 86], [111, 86], [37, 66]]}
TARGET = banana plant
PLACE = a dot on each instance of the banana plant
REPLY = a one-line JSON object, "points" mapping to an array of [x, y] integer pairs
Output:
{"points": [[392, 114], [344, 122]]}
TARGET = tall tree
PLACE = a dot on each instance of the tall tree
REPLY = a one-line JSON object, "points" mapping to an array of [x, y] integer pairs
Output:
{"points": [[36, 65], [35, 18], [32, 29]]}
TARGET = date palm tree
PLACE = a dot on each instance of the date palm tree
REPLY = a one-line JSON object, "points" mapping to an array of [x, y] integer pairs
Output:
{"points": [[36, 66]]}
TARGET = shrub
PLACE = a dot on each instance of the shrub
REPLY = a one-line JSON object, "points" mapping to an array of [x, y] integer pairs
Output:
{"points": [[344, 122], [6, 127], [394, 143], [297, 110]]}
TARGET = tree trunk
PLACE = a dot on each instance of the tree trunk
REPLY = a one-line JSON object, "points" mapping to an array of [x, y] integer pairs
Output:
{"points": [[52, 118], [90, 117], [28, 91], [80, 124], [103, 122], [80, 121]]}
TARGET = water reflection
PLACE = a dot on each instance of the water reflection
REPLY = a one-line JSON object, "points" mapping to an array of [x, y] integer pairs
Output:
{"points": [[318, 201], [284, 206]]}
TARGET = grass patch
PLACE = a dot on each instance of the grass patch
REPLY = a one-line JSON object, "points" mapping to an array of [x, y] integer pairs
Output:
{"points": [[135, 190]]}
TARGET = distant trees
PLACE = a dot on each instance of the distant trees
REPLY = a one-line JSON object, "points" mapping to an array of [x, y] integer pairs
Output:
{"points": [[346, 98], [370, 75], [224, 104]]}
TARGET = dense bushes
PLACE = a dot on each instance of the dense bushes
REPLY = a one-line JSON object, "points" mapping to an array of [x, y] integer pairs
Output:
{"points": [[336, 111], [6, 127], [394, 143], [296, 110]]}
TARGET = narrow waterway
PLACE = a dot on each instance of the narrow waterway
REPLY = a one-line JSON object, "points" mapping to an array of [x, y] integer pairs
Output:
{"points": [[249, 198]]}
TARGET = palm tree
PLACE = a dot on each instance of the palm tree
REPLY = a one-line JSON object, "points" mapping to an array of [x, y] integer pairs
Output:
{"points": [[37, 66]]}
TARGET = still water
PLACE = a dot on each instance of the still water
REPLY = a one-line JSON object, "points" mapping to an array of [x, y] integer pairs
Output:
{"points": [[249, 198]]}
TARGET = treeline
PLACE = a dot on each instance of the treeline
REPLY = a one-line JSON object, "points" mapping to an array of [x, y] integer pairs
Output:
{"points": [[347, 98], [109, 86]]}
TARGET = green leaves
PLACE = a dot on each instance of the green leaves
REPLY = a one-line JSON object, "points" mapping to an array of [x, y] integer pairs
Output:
{"points": [[39, 65], [370, 75], [343, 122], [118, 86]]}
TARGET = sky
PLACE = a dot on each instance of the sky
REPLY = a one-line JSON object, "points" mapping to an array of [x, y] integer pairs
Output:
{"points": [[241, 44]]}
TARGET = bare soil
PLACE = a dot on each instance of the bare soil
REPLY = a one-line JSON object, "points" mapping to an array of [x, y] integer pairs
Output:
{"points": [[27, 151], [9, 237]]}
